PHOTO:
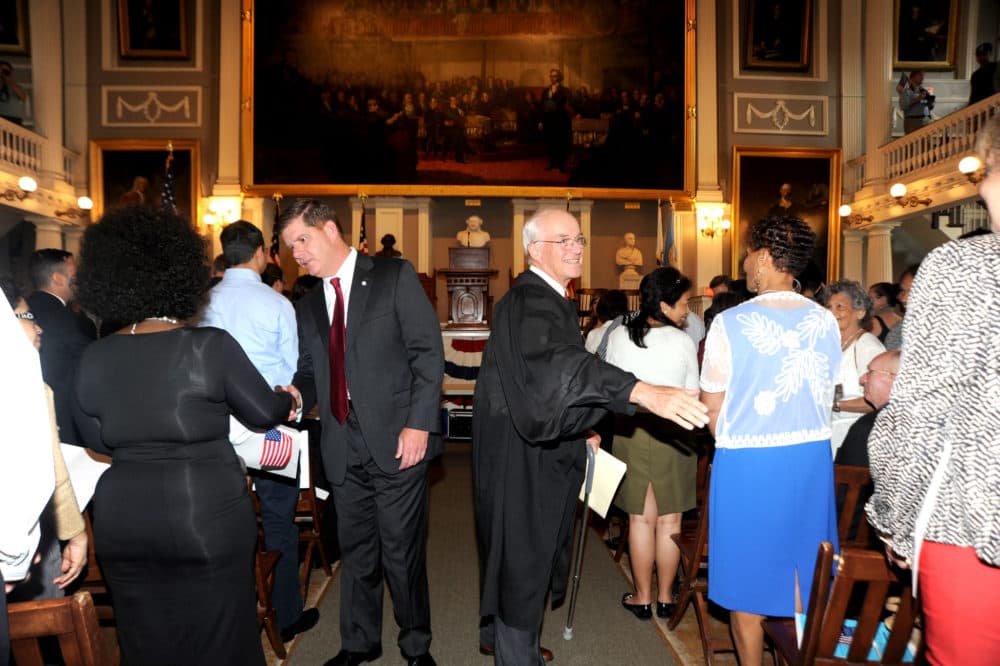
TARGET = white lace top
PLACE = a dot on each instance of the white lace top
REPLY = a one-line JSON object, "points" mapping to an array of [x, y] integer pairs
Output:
{"points": [[775, 357]]}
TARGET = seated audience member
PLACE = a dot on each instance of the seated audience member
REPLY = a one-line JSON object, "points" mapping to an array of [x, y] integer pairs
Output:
{"points": [[885, 318], [273, 277], [302, 285], [877, 381], [173, 524], [609, 306], [53, 273], [894, 338], [219, 266], [61, 520], [719, 284]]}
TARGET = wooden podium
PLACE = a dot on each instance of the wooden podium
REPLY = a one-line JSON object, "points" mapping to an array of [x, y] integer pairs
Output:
{"points": [[468, 280]]}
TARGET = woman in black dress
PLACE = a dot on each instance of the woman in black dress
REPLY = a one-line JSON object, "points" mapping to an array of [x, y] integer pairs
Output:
{"points": [[173, 525]]}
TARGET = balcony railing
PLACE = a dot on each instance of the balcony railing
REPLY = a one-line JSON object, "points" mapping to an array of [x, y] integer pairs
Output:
{"points": [[20, 149], [69, 163]]}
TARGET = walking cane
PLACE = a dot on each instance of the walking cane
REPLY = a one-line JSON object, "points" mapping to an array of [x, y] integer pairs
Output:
{"points": [[578, 558]]}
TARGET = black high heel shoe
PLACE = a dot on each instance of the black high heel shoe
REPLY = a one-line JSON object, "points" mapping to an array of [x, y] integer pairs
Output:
{"points": [[664, 610], [641, 611]]}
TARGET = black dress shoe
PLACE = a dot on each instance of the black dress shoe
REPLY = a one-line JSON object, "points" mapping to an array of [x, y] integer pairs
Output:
{"points": [[307, 620], [641, 611], [348, 658], [664, 610], [421, 660], [488, 650]]}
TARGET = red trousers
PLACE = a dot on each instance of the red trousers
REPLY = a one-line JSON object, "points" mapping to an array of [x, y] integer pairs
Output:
{"points": [[960, 595]]}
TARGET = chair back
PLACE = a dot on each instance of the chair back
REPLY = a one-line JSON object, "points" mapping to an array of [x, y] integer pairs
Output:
{"points": [[852, 488], [585, 299], [72, 620], [858, 572], [634, 299]]}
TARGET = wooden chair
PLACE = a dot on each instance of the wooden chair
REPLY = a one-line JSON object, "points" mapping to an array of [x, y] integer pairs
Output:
{"points": [[828, 607], [309, 514], [634, 299], [263, 571], [852, 488], [585, 299], [693, 545], [72, 620]]}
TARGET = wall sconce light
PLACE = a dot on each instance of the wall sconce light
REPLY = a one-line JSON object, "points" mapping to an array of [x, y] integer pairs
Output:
{"points": [[972, 167], [83, 207], [853, 219], [711, 222], [25, 186], [223, 210], [898, 192]]}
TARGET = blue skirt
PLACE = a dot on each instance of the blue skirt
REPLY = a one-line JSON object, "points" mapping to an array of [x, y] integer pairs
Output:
{"points": [[769, 509]]}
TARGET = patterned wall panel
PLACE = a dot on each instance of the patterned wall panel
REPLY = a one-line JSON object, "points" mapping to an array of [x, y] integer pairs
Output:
{"points": [[759, 113], [150, 106]]}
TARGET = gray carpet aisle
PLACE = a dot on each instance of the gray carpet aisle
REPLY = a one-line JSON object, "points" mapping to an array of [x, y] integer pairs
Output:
{"points": [[604, 632]]}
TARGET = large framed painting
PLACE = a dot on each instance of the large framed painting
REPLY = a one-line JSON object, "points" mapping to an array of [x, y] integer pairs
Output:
{"points": [[799, 182], [483, 97], [777, 35], [13, 27], [135, 171], [925, 34], [152, 29]]}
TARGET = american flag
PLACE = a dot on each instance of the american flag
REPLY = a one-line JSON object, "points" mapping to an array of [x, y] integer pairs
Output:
{"points": [[363, 236], [278, 447], [275, 240], [168, 196]]}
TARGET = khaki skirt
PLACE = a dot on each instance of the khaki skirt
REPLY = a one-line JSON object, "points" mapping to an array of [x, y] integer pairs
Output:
{"points": [[658, 452]]}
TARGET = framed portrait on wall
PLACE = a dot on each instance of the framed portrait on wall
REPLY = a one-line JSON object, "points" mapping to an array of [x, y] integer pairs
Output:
{"points": [[134, 171], [777, 35], [488, 97], [925, 34], [152, 29], [13, 27], [792, 182]]}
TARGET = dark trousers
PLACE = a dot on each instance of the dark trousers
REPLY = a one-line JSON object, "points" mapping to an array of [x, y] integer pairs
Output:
{"points": [[516, 647], [4, 630], [278, 497], [382, 529]]}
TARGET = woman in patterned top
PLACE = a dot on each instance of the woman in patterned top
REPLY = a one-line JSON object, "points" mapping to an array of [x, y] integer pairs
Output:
{"points": [[767, 380], [935, 448]]}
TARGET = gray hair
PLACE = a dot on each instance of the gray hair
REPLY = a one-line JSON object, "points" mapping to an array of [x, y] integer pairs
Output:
{"points": [[860, 300], [530, 232]]}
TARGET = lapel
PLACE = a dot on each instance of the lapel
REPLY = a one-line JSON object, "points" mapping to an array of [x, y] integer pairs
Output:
{"points": [[360, 288], [318, 308]]}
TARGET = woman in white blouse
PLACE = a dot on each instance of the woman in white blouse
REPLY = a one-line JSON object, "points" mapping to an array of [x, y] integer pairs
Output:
{"points": [[660, 482], [852, 308]]}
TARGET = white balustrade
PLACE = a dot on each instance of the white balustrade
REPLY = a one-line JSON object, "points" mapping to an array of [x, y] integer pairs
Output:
{"points": [[20, 148]]}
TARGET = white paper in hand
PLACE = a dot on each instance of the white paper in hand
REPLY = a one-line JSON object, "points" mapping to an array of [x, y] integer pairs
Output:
{"points": [[275, 452], [608, 474]]}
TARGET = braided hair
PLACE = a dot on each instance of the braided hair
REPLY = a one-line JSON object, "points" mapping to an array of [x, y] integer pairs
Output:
{"points": [[789, 240]]}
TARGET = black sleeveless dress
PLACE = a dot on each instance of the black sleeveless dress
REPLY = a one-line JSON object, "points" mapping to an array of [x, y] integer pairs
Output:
{"points": [[174, 528]]}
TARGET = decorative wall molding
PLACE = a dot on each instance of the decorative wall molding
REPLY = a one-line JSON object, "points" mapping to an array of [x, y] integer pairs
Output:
{"points": [[759, 113], [143, 106]]}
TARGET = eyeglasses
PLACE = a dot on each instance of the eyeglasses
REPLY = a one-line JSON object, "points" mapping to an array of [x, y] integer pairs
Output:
{"points": [[25, 315], [566, 242], [870, 371]]}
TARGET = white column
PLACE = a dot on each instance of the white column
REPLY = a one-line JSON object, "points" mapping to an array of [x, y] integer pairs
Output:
{"points": [[230, 54], [388, 220], [72, 234], [356, 210], [879, 268], [424, 232], [852, 123], [520, 208], [583, 209], [878, 28], [47, 82], [853, 256], [75, 88], [707, 126], [48, 233]]}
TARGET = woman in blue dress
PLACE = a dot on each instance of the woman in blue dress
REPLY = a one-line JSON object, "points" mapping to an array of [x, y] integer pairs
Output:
{"points": [[768, 380]]}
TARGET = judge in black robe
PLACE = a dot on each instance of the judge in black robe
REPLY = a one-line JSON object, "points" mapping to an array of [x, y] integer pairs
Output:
{"points": [[538, 393]]}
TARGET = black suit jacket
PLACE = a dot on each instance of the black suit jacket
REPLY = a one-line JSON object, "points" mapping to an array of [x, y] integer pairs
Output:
{"points": [[63, 342], [394, 362], [854, 450]]}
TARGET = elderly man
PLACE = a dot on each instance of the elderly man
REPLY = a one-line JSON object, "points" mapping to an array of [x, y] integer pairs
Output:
{"points": [[877, 382], [538, 394]]}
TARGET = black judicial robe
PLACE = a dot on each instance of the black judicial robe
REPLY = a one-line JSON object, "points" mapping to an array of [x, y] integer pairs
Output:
{"points": [[537, 394]]}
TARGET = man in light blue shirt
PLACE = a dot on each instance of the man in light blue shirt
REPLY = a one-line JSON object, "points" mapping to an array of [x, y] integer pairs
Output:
{"points": [[263, 322]]}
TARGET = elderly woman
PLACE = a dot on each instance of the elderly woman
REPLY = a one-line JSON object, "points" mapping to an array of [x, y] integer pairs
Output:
{"points": [[935, 448], [660, 482], [852, 309], [767, 380], [884, 317], [174, 528]]}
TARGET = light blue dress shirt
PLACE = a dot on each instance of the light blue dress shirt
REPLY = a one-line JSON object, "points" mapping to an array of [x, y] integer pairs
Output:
{"points": [[261, 320]]}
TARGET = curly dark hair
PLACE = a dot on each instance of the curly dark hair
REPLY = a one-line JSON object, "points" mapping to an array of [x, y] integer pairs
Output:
{"points": [[789, 240], [138, 262], [664, 285]]}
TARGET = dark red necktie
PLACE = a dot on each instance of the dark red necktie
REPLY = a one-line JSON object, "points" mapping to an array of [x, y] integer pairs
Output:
{"points": [[338, 380]]}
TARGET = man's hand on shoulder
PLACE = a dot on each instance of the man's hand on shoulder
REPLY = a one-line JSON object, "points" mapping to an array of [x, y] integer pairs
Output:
{"points": [[679, 405], [412, 447]]}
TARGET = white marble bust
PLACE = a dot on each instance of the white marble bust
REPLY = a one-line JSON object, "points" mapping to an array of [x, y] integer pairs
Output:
{"points": [[629, 260], [473, 235]]}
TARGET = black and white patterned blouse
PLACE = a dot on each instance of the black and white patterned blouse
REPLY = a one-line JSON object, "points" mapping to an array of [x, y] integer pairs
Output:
{"points": [[945, 398]]}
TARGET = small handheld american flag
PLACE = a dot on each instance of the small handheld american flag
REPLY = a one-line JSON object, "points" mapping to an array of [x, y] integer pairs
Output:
{"points": [[277, 451]]}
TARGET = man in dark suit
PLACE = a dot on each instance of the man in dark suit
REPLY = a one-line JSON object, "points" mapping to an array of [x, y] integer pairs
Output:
{"points": [[877, 380], [370, 354], [557, 121], [538, 395], [65, 334]]}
